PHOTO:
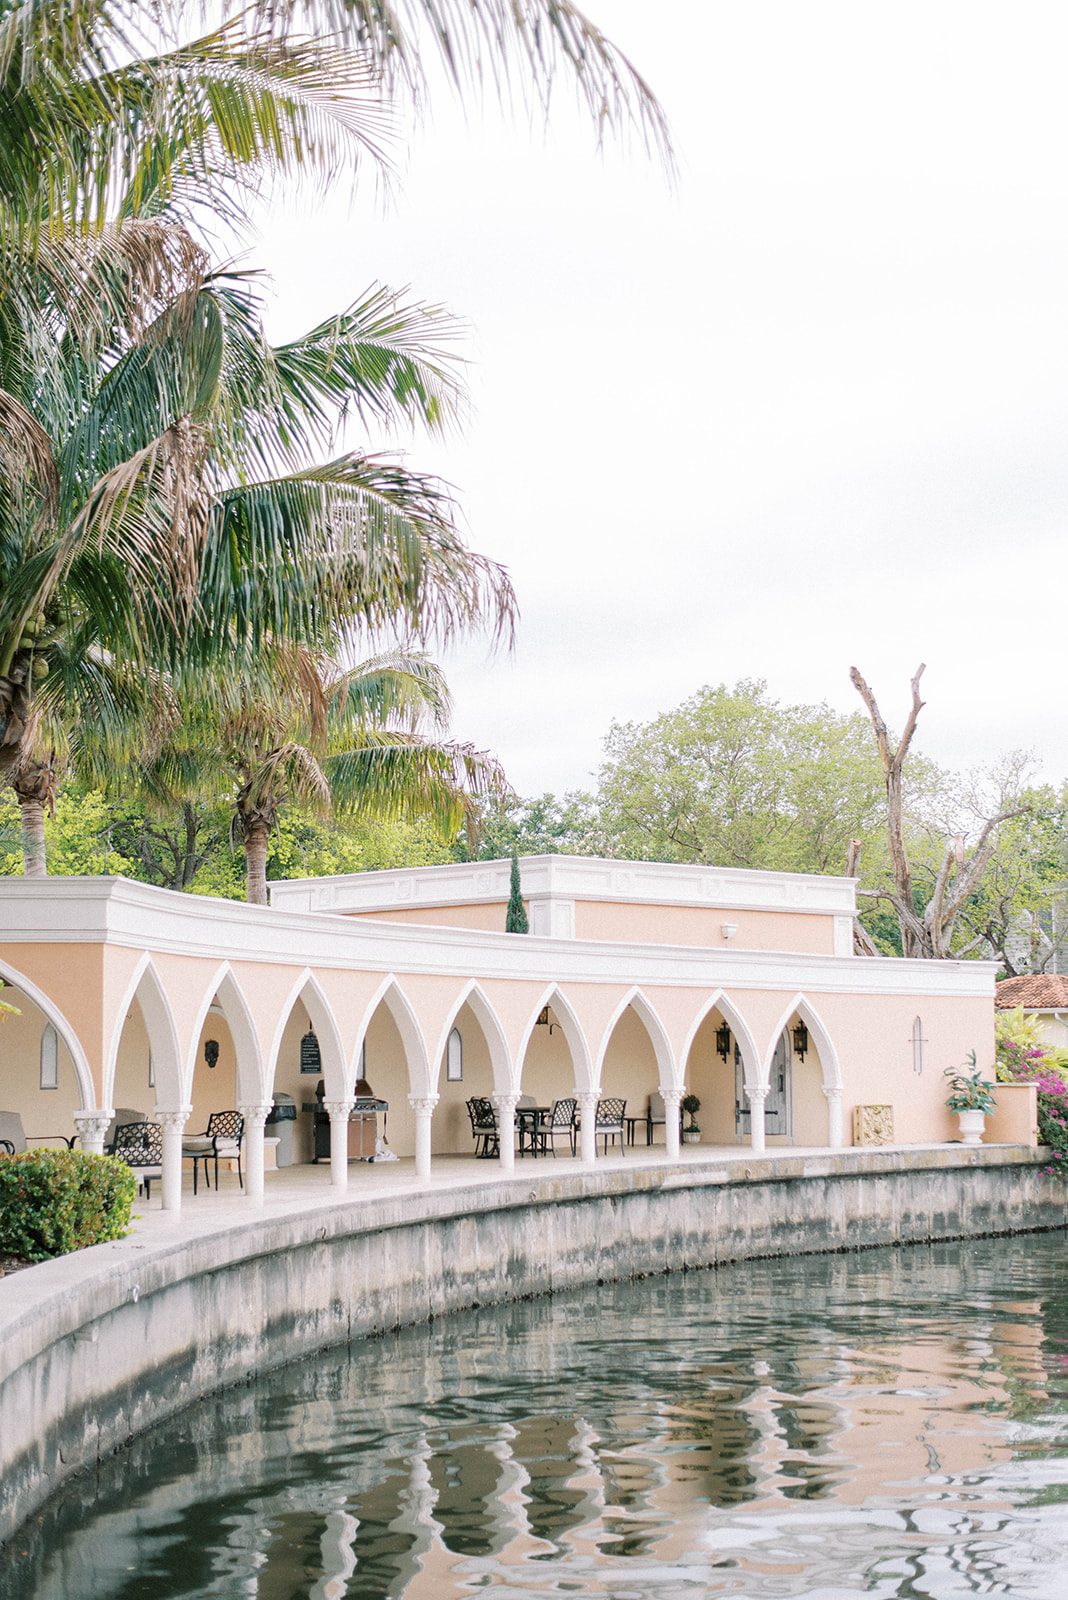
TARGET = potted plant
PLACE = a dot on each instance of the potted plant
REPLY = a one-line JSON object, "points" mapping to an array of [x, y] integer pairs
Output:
{"points": [[691, 1133], [971, 1096]]}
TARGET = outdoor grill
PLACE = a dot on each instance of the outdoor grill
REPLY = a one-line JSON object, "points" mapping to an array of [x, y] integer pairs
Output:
{"points": [[363, 1123]]}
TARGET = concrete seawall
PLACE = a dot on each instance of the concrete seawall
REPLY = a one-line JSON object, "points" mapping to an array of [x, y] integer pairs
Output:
{"points": [[99, 1346]]}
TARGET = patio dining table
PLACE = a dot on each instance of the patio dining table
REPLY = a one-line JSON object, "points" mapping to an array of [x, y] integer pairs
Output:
{"points": [[529, 1122]]}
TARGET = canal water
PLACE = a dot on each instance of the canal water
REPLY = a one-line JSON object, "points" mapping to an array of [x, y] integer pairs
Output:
{"points": [[893, 1423]]}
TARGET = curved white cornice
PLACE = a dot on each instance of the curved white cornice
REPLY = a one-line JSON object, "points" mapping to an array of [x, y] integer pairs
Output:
{"points": [[570, 878], [136, 916]]}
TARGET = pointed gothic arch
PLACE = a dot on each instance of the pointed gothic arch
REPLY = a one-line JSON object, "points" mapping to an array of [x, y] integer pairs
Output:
{"points": [[82, 1071], [665, 1056], [473, 995], [308, 991], [172, 1085], [562, 1009]]}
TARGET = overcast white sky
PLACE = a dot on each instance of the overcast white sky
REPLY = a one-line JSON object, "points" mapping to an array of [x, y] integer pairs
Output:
{"points": [[808, 409]]}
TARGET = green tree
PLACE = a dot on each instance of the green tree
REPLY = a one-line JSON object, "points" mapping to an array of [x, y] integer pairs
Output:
{"points": [[515, 920], [535, 826], [296, 726], [733, 777]]}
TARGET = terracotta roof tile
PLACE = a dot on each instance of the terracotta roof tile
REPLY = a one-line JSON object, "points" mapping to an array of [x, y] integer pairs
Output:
{"points": [[1043, 991]]}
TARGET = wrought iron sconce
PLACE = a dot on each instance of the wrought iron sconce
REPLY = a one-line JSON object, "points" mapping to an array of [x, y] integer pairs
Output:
{"points": [[723, 1041], [211, 1052], [545, 1019], [800, 1041]]}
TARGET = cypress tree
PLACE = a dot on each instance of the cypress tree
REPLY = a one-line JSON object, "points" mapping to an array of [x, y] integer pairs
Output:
{"points": [[516, 920]]}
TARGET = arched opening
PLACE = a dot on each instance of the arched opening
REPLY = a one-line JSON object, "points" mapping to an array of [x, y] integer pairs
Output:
{"points": [[143, 1070], [40, 1080], [553, 1060], [307, 1053], [635, 1065], [720, 1067], [804, 1086], [392, 1063], [467, 1069]]}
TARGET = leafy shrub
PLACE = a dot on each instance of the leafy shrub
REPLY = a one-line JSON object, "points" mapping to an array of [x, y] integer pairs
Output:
{"points": [[55, 1201]]}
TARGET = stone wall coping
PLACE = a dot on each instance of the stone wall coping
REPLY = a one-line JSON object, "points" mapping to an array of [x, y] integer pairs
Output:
{"points": [[62, 1298], [573, 878]]}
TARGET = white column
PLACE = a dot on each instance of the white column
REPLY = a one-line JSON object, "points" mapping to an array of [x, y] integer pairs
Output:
{"points": [[92, 1126], [339, 1112], [173, 1124], [671, 1098], [756, 1118], [835, 1131], [505, 1104], [255, 1116], [587, 1109], [423, 1106]]}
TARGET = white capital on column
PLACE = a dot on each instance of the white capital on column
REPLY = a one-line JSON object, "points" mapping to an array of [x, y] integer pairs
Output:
{"points": [[756, 1118], [339, 1112], [423, 1106], [587, 1109], [172, 1123], [671, 1098], [92, 1126], [835, 1131], [505, 1105], [255, 1116]]}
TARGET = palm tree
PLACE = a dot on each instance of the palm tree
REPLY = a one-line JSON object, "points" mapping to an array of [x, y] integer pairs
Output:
{"points": [[156, 505], [301, 727], [194, 123]]}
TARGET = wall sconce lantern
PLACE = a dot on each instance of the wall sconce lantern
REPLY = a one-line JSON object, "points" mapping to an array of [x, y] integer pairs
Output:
{"points": [[800, 1041], [310, 1057], [211, 1052], [723, 1041], [545, 1019]]}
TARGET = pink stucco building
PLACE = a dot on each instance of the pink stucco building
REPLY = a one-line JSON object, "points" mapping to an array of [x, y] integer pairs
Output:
{"points": [[637, 978]]}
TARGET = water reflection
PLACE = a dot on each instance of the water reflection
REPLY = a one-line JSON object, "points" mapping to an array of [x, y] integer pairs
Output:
{"points": [[891, 1424]]}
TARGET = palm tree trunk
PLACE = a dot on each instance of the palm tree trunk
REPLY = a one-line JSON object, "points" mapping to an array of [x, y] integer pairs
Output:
{"points": [[34, 784], [256, 862], [34, 858]]}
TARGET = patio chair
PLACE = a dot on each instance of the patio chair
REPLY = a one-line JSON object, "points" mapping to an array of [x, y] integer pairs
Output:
{"points": [[123, 1117], [222, 1137], [14, 1140], [484, 1127], [140, 1145], [561, 1125], [608, 1123]]}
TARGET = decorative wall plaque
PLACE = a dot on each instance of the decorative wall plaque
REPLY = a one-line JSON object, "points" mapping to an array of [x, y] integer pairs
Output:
{"points": [[873, 1125]]}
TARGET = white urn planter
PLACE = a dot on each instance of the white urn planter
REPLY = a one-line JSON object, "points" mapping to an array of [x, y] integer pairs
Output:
{"points": [[972, 1124], [691, 1136]]}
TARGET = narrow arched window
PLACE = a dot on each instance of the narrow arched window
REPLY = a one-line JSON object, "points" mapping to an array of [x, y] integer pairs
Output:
{"points": [[918, 1042], [454, 1057], [49, 1058]]}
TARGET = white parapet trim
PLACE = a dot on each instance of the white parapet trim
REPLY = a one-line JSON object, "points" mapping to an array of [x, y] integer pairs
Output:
{"points": [[570, 878], [137, 916]]}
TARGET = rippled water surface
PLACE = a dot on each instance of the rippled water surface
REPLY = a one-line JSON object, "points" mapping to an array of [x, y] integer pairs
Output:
{"points": [[886, 1424]]}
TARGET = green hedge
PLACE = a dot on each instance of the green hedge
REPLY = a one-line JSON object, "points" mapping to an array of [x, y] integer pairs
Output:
{"points": [[55, 1201]]}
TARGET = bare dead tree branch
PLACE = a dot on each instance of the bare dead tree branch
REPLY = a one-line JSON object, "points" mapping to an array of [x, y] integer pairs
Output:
{"points": [[893, 759]]}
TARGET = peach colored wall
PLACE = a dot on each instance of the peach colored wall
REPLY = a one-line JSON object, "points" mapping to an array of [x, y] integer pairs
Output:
{"points": [[74, 978], [700, 925], [489, 916], [132, 1092], [548, 1070], [42, 1111], [1015, 1121]]}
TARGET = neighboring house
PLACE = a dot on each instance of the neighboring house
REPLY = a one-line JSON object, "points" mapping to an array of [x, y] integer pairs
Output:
{"points": [[1043, 995]]}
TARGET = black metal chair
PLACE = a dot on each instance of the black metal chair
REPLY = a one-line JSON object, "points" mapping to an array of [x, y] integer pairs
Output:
{"points": [[122, 1119], [140, 1145], [608, 1123], [221, 1137], [484, 1127], [561, 1125]]}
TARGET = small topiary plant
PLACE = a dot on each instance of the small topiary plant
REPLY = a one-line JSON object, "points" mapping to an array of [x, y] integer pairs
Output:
{"points": [[691, 1105], [56, 1201]]}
